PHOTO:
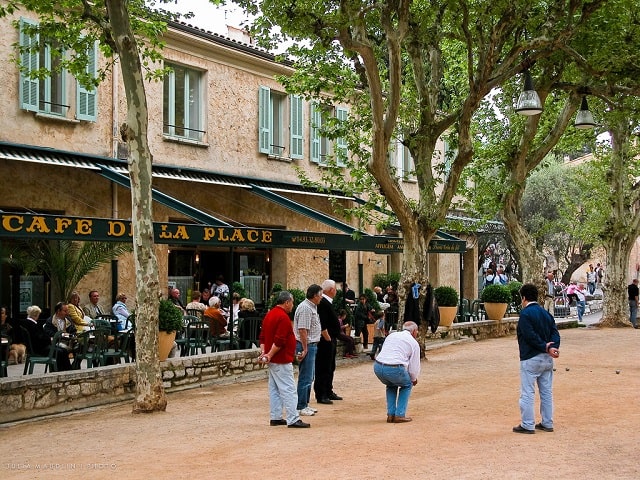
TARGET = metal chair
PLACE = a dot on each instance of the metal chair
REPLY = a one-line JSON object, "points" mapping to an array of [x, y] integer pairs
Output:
{"points": [[194, 312], [249, 332], [32, 360], [110, 320]]}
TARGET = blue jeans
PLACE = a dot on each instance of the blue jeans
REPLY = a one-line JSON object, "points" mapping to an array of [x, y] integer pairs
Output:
{"points": [[306, 374], [633, 312], [399, 386], [538, 369], [580, 306], [282, 392]]}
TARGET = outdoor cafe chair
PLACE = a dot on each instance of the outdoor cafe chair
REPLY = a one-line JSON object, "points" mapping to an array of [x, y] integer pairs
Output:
{"points": [[88, 347], [197, 337], [249, 332], [218, 340], [182, 339], [32, 360], [117, 349]]}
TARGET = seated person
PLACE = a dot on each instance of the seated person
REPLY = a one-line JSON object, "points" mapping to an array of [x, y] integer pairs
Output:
{"points": [[121, 311], [76, 314], [93, 308], [195, 303], [215, 317], [235, 306], [174, 296], [349, 342], [58, 322], [247, 310], [40, 341]]}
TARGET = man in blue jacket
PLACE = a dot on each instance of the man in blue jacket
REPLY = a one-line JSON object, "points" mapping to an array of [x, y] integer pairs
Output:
{"points": [[538, 341]]}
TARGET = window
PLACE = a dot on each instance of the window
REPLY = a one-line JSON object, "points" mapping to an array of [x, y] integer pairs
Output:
{"points": [[400, 158], [272, 122], [321, 146], [182, 103], [47, 94]]}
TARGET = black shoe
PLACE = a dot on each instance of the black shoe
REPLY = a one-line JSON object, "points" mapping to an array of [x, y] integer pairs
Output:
{"points": [[539, 426], [299, 424], [275, 423], [521, 429], [333, 396], [325, 401]]}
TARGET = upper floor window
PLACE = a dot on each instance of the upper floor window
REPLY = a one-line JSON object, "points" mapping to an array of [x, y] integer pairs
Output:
{"points": [[321, 145], [400, 158], [182, 103], [43, 77], [272, 121]]}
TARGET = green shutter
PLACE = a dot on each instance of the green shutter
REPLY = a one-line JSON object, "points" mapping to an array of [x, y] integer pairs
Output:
{"points": [[342, 152], [30, 61], [297, 127], [316, 124], [86, 100], [264, 120]]}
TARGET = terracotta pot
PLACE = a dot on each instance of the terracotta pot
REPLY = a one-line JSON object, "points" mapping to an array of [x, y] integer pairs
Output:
{"points": [[165, 344], [495, 311], [447, 315]]}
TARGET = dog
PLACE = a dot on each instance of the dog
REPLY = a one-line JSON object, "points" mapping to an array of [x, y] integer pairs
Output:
{"points": [[17, 353]]}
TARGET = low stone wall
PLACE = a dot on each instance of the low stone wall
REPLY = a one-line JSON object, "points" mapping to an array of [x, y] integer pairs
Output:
{"points": [[38, 395]]}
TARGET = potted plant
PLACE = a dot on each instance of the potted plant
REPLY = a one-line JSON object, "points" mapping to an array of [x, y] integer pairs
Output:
{"points": [[447, 299], [496, 299], [169, 322]]}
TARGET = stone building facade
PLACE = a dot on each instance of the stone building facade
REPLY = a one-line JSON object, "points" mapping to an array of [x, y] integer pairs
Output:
{"points": [[219, 123]]}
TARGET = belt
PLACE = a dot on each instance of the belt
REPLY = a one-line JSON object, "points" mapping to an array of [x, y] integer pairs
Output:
{"points": [[312, 343], [549, 296], [387, 365]]}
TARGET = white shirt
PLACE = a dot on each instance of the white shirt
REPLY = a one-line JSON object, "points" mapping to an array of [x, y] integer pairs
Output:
{"points": [[400, 348]]}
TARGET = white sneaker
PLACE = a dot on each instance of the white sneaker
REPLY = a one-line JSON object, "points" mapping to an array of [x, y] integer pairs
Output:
{"points": [[307, 411], [314, 410]]}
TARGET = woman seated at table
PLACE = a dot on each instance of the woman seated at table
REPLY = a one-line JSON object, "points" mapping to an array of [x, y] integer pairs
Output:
{"points": [[215, 317], [40, 339], [121, 311], [76, 314]]}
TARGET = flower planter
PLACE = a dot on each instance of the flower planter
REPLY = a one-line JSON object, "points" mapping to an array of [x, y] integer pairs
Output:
{"points": [[165, 344], [495, 311], [447, 315]]}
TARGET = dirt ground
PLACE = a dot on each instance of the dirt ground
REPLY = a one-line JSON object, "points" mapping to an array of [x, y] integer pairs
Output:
{"points": [[464, 407]]}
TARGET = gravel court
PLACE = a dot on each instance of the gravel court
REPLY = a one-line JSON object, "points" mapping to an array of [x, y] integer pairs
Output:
{"points": [[463, 409]]}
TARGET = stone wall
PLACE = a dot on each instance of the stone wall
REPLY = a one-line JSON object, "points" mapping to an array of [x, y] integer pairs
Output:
{"points": [[38, 395]]}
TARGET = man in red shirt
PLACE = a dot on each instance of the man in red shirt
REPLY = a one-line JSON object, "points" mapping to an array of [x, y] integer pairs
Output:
{"points": [[277, 349]]}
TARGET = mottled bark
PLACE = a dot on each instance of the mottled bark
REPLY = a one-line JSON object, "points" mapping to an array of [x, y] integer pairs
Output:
{"points": [[150, 394], [622, 226]]}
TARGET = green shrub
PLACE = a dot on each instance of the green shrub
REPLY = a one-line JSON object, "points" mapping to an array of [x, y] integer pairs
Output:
{"points": [[446, 296], [372, 299], [239, 289], [169, 317], [516, 300], [496, 294], [383, 280]]}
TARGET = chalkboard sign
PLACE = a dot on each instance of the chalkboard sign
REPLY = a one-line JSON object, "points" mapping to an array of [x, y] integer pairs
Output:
{"points": [[338, 265]]}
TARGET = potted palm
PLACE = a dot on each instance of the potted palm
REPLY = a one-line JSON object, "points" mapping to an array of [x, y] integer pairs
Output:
{"points": [[496, 299], [169, 323], [447, 299]]}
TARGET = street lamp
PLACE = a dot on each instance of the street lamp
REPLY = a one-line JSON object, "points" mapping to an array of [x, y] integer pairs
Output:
{"points": [[529, 101], [584, 118]]}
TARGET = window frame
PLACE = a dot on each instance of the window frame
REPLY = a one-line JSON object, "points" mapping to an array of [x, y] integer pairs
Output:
{"points": [[194, 133]]}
